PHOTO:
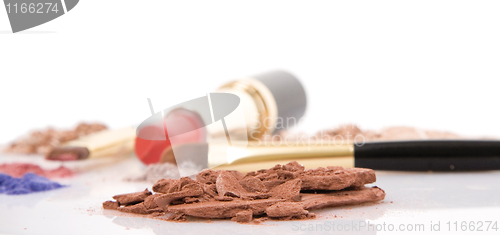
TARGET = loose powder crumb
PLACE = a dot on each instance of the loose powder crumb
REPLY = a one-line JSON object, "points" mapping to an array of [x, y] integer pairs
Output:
{"points": [[20, 169], [283, 192], [29, 183], [155, 172]]}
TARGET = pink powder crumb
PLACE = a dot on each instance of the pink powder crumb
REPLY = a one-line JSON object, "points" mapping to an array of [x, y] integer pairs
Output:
{"points": [[19, 169]]}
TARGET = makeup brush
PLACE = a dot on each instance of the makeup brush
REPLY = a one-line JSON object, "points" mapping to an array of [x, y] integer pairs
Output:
{"points": [[99, 144], [435, 155]]}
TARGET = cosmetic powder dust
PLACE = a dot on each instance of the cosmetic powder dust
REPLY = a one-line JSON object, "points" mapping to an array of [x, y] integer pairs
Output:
{"points": [[42, 142], [20, 169], [29, 183]]}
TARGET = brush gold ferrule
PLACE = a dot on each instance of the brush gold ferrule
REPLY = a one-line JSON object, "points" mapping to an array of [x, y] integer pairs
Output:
{"points": [[106, 143], [223, 155]]}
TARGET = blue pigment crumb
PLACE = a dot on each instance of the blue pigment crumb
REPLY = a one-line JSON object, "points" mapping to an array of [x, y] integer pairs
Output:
{"points": [[29, 183]]}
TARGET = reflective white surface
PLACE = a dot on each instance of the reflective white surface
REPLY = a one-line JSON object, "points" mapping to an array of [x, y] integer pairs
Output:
{"points": [[412, 198]]}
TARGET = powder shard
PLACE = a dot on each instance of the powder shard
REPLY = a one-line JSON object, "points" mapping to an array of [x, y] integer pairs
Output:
{"points": [[111, 205], [132, 198], [356, 196], [289, 190], [253, 184], [228, 185], [190, 190], [285, 209], [243, 216]]}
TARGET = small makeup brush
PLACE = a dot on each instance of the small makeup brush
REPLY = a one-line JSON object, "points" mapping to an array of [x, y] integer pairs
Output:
{"points": [[99, 144], [436, 155]]}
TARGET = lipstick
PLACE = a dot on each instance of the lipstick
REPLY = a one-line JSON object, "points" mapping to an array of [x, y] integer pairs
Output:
{"points": [[269, 102]]}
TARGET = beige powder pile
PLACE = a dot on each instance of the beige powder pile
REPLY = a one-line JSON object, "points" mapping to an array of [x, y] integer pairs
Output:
{"points": [[42, 142], [351, 132], [387, 134]]}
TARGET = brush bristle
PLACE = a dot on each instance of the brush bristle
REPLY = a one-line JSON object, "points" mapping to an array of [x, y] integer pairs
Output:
{"points": [[193, 152], [68, 153]]}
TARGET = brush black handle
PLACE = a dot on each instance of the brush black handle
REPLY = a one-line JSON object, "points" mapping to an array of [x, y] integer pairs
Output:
{"points": [[435, 155]]}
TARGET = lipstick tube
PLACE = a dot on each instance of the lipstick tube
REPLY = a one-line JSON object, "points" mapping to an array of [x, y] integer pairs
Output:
{"points": [[272, 101], [265, 104]]}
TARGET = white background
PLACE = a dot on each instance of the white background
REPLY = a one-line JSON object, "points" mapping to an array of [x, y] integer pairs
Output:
{"points": [[429, 64]]}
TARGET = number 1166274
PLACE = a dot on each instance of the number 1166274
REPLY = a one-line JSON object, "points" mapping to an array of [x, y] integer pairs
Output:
{"points": [[32, 8]]}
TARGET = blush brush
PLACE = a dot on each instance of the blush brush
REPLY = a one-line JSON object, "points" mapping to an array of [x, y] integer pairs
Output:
{"points": [[426, 155], [99, 144]]}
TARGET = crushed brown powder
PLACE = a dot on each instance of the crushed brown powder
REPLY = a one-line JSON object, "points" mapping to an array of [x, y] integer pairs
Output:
{"points": [[283, 192]]}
